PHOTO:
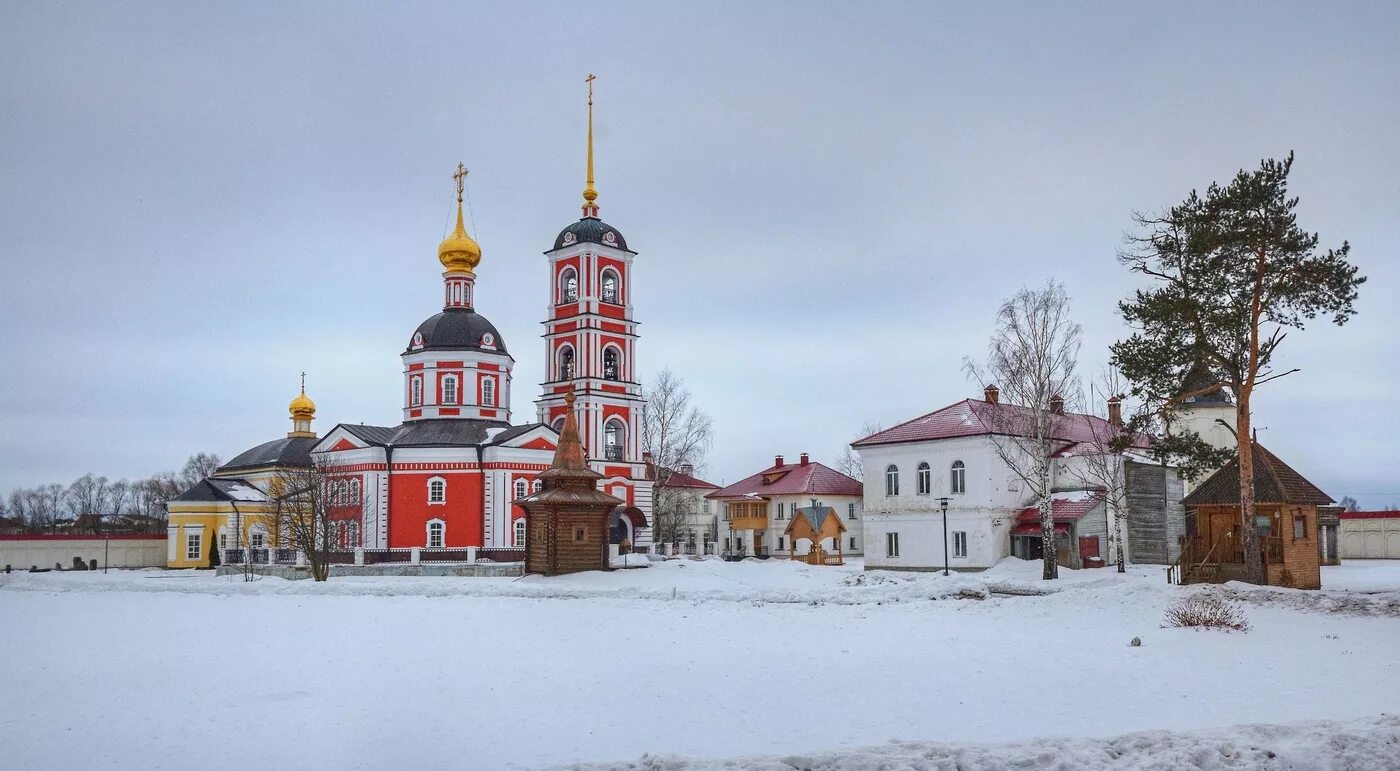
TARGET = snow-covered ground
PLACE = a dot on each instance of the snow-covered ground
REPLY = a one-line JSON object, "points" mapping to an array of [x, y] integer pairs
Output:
{"points": [[763, 662]]}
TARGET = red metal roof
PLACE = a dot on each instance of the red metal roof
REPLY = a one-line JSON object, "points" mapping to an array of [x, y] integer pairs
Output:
{"points": [[1369, 514], [973, 417], [811, 478], [1064, 509], [679, 479], [1029, 529]]}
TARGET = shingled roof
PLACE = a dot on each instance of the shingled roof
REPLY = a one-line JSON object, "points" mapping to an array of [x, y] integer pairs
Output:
{"points": [[1274, 482]]}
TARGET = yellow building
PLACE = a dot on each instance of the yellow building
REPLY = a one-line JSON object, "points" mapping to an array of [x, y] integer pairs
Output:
{"points": [[229, 508]]}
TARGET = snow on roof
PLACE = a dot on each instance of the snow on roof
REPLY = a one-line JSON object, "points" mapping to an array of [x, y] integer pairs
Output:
{"points": [[1068, 506], [811, 478], [974, 417]]}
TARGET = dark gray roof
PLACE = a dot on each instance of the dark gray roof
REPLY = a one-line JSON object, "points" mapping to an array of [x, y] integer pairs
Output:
{"points": [[439, 432], [456, 329], [222, 489], [816, 516], [1274, 482], [287, 451], [591, 230], [1200, 377]]}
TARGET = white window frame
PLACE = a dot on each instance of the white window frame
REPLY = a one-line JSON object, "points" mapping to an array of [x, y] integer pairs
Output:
{"points": [[488, 392], [924, 478], [891, 481], [960, 544], [616, 298], [257, 538], [851, 511], [520, 529], [572, 372], [892, 545], [194, 544], [415, 391], [536, 486], [441, 498], [441, 534], [355, 491], [564, 276], [958, 478], [522, 488], [451, 392]]}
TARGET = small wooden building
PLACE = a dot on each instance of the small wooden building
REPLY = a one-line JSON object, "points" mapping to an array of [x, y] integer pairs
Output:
{"points": [[567, 520], [816, 524], [1286, 515]]}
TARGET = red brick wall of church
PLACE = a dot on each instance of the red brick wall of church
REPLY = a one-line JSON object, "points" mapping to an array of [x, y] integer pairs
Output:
{"points": [[409, 513]]}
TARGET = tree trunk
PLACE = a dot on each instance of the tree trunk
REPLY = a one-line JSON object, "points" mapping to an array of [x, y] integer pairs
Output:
{"points": [[1118, 540], [1049, 553], [320, 568], [1249, 532]]}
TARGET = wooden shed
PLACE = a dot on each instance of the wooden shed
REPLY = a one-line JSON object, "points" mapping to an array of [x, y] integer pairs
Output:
{"points": [[1286, 514], [567, 521]]}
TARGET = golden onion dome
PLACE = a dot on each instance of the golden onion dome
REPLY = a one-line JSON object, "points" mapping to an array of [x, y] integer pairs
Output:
{"points": [[459, 252], [302, 406]]}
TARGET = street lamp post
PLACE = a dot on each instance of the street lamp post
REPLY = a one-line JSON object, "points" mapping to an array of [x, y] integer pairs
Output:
{"points": [[943, 504]]}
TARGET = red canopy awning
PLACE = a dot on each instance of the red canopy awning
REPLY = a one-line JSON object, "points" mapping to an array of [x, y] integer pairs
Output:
{"points": [[1034, 529]]}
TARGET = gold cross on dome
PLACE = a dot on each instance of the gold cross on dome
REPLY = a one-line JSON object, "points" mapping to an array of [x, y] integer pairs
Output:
{"points": [[303, 382], [589, 80], [461, 177]]}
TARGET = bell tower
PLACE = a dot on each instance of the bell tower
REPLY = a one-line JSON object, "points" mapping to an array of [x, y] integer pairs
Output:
{"points": [[590, 345]]}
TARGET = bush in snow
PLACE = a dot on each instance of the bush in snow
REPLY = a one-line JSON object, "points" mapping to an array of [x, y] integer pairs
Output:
{"points": [[1208, 611]]}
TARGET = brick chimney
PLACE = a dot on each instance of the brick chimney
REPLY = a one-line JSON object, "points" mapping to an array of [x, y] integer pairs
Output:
{"points": [[1057, 405], [688, 469], [802, 459], [777, 461], [1115, 412], [992, 394]]}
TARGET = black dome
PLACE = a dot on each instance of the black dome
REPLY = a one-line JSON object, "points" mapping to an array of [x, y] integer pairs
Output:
{"points": [[591, 230], [457, 329]]}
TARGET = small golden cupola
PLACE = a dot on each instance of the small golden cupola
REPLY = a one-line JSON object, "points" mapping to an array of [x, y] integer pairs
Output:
{"points": [[459, 254], [303, 411]]}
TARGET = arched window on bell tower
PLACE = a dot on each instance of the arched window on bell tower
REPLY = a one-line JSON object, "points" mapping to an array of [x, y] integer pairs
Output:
{"points": [[611, 367], [566, 363], [568, 286], [614, 439], [610, 293]]}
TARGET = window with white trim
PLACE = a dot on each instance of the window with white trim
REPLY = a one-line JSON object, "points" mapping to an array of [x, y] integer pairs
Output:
{"points": [[355, 491], [853, 543], [437, 490], [960, 543], [257, 539], [891, 480], [891, 544], [780, 544], [449, 389], [924, 479], [520, 532], [851, 511], [959, 478], [568, 286], [609, 287], [522, 488], [536, 486], [437, 533], [353, 529], [192, 544], [488, 392], [415, 390], [779, 506], [612, 370], [566, 362]]}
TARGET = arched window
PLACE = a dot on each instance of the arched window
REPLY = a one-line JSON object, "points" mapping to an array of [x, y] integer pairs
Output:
{"points": [[536, 486], [924, 479], [415, 390], [355, 491], [892, 480], [614, 436], [559, 424], [488, 392], [609, 286], [959, 478], [610, 365], [437, 490], [449, 389], [566, 363], [568, 283], [353, 531], [521, 488], [520, 532], [437, 533]]}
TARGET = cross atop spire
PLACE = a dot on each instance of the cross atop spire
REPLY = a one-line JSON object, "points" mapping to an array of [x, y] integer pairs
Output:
{"points": [[590, 195], [303, 382], [461, 177]]}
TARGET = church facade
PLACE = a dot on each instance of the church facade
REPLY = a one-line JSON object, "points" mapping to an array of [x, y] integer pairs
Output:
{"points": [[451, 473]]}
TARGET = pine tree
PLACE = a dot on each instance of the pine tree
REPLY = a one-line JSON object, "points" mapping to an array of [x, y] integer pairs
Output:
{"points": [[1232, 273]]}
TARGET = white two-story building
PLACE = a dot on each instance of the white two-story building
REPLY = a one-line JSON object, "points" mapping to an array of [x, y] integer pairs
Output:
{"points": [[948, 460]]}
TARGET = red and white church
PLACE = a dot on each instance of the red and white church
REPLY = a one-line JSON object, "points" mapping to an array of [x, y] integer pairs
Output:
{"points": [[449, 475]]}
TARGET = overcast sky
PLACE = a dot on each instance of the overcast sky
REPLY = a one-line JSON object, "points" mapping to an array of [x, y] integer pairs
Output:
{"points": [[199, 201]]}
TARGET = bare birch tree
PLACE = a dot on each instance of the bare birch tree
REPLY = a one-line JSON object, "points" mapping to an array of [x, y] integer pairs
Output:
{"points": [[1031, 358], [849, 462], [302, 513], [675, 433], [1100, 462]]}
